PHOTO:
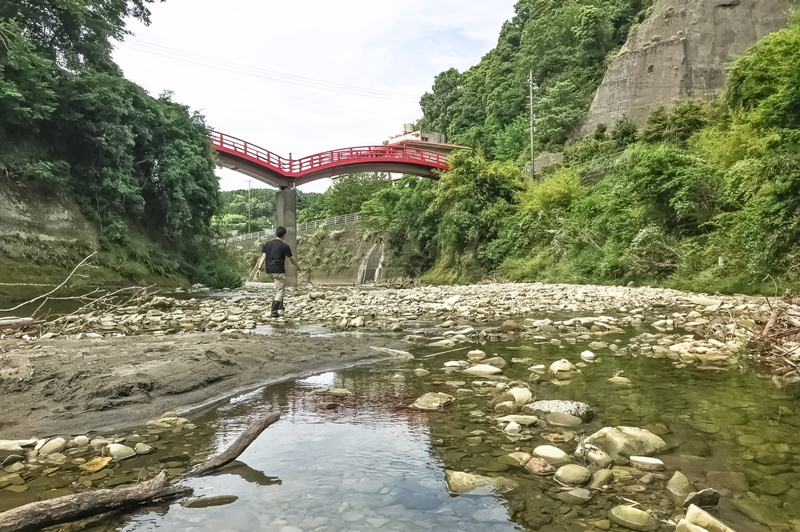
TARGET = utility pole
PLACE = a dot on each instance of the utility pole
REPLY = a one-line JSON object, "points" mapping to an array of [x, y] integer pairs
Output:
{"points": [[248, 205], [533, 124]]}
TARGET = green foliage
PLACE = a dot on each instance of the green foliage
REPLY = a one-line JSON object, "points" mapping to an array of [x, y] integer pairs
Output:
{"points": [[564, 44], [678, 123], [346, 196]]}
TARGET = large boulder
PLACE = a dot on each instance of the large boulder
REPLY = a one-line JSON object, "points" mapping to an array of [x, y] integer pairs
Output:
{"points": [[573, 408], [563, 369], [433, 401], [624, 442]]}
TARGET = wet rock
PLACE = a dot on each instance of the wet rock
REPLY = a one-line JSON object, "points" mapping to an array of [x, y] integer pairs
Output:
{"points": [[594, 455], [772, 487], [419, 372], [506, 408], [602, 524], [552, 454], [704, 426], [705, 301], [207, 502], [394, 352], [700, 518], [540, 466], [119, 452], [56, 459], [587, 355], [56, 445], [509, 326], [573, 408], [558, 419], [459, 483], [16, 467], [600, 478], [95, 464], [357, 322], [522, 396], [577, 496], [12, 459], [678, 488], [633, 518], [758, 512], [563, 369], [645, 463], [143, 448], [476, 355], [707, 498], [526, 421], [725, 479], [520, 457], [81, 441], [623, 442], [12, 479], [496, 362], [433, 401], [484, 369], [512, 428], [573, 475]]}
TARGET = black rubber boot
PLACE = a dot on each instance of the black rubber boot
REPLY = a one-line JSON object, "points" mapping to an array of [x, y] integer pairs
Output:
{"points": [[275, 306]]}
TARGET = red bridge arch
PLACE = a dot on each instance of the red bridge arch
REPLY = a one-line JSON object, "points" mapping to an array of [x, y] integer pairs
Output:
{"points": [[278, 171]]}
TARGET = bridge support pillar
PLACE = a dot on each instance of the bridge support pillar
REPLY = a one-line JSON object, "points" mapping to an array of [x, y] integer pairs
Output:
{"points": [[286, 213]]}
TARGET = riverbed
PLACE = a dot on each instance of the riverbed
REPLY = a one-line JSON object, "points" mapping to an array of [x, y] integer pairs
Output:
{"points": [[362, 458]]}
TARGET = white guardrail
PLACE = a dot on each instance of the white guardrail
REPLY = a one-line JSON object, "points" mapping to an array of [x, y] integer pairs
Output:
{"points": [[314, 224]]}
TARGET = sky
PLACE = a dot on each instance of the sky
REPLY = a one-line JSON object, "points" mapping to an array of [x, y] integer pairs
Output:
{"points": [[306, 76]]}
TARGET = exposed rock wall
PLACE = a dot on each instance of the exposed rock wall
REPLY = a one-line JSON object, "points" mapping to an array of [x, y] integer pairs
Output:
{"points": [[681, 51]]}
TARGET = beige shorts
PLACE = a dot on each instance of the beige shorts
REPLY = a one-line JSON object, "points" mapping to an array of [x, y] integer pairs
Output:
{"points": [[280, 285]]}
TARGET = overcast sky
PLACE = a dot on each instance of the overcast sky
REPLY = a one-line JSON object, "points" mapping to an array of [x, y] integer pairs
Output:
{"points": [[307, 76]]}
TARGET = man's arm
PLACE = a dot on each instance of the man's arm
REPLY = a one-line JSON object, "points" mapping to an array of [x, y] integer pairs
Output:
{"points": [[295, 264], [260, 263]]}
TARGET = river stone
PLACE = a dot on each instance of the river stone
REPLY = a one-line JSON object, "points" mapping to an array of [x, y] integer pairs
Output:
{"points": [[394, 352], [142, 448], [707, 498], [772, 487], [459, 482], [685, 526], [587, 355], [56, 445], [726, 479], [540, 466], [119, 452], [600, 478], [506, 408], [703, 426], [16, 467], [573, 408], [623, 442], [433, 401], [520, 457], [526, 421], [750, 440], [419, 372], [705, 520], [95, 464], [452, 364], [552, 454], [484, 369], [558, 419], [496, 362], [758, 512], [594, 455], [12, 459], [207, 502], [633, 518], [678, 488], [573, 475], [81, 441], [512, 428], [56, 459], [577, 496], [522, 396], [645, 463], [476, 355], [563, 369]]}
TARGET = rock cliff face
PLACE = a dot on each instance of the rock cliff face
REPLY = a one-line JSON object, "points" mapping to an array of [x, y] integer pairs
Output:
{"points": [[681, 51]]}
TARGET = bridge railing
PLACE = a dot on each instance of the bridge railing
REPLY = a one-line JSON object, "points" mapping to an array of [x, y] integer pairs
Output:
{"points": [[296, 167], [264, 233], [333, 220]]}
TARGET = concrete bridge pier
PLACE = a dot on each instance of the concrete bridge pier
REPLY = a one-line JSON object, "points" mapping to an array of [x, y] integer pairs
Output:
{"points": [[286, 213]]}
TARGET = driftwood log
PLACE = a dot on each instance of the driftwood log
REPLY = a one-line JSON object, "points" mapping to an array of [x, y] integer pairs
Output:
{"points": [[238, 447], [38, 515]]}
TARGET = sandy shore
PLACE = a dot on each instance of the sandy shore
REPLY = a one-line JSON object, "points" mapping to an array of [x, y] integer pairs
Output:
{"points": [[74, 386]]}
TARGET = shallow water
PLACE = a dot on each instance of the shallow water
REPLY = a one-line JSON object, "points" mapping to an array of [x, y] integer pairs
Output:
{"points": [[366, 461]]}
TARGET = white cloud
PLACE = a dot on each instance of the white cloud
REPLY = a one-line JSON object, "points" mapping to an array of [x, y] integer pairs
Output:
{"points": [[225, 59]]}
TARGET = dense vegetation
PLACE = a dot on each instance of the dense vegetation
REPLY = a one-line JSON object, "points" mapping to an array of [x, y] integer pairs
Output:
{"points": [[705, 196], [565, 44], [141, 168]]}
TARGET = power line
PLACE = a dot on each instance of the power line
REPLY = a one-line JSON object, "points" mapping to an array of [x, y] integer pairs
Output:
{"points": [[263, 74]]}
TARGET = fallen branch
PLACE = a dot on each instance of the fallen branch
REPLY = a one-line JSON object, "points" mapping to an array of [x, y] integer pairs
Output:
{"points": [[238, 447], [38, 515], [54, 290]]}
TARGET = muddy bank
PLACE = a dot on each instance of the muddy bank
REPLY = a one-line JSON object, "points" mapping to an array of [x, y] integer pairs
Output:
{"points": [[74, 386]]}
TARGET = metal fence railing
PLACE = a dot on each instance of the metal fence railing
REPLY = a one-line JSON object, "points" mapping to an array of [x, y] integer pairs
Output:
{"points": [[333, 220], [313, 224]]}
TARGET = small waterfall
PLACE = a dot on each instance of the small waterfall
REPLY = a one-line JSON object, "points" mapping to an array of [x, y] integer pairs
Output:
{"points": [[371, 265]]}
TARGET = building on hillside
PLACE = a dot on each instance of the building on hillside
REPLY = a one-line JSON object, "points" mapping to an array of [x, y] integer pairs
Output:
{"points": [[424, 140]]}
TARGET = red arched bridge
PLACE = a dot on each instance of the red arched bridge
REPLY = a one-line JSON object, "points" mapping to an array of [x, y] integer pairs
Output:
{"points": [[278, 171]]}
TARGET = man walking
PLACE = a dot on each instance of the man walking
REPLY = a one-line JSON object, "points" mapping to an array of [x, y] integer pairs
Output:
{"points": [[274, 254]]}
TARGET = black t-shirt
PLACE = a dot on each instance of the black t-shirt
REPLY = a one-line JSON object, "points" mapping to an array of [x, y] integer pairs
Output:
{"points": [[276, 251]]}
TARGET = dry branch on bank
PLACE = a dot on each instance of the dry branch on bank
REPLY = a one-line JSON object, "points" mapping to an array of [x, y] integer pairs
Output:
{"points": [[38, 515], [777, 343]]}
